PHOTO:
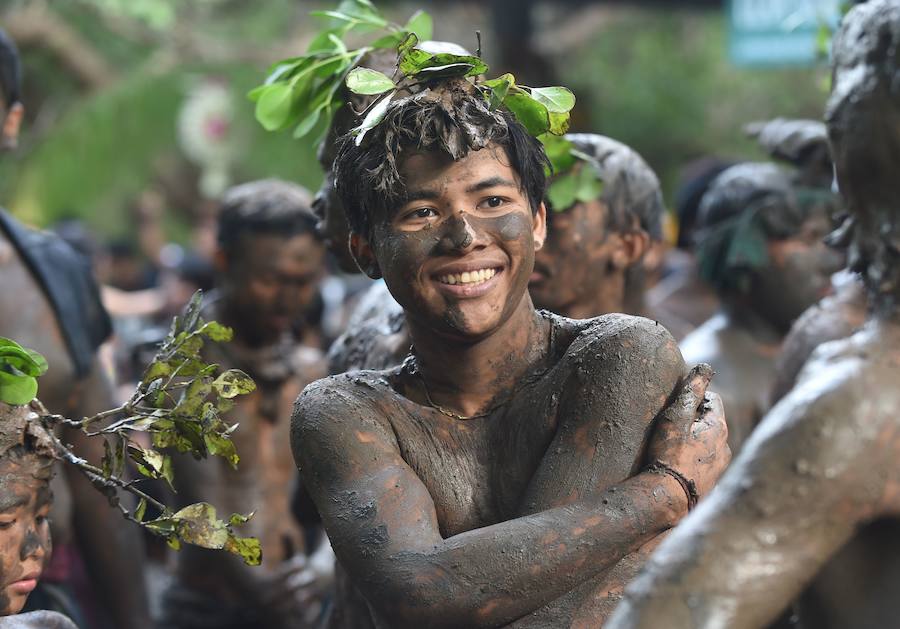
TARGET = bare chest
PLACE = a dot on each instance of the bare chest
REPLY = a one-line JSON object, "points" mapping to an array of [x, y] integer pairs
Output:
{"points": [[478, 470]]}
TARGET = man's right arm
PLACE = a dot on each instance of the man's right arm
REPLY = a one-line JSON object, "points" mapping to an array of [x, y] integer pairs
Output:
{"points": [[383, 525]]}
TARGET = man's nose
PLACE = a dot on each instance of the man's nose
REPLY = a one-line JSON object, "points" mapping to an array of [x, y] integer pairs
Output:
{"points": [[457, 233], [32, 545]]}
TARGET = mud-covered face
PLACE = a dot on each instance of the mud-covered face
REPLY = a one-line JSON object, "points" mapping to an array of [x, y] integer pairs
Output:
{"points": [[24, 529], [332, 226], [458, 251], [798, 274], [271, 283], [575, 258]]}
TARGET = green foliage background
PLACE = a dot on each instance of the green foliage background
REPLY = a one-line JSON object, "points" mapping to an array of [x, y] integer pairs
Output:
{"points": [[657, 79]]}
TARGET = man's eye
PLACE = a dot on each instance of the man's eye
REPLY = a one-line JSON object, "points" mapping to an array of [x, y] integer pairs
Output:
{"points": [[6, 524], [422, 212], [493, 202]]}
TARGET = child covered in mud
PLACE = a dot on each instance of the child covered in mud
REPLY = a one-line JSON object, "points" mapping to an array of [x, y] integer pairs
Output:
{"points": [[499, 475], [26, 466], [813, 499]]}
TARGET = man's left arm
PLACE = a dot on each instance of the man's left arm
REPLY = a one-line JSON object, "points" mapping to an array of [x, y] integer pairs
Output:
{"points": [[112, 548]]}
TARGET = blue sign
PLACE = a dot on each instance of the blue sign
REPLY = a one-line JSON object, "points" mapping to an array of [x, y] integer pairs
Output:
{"points": [[778, 32]]}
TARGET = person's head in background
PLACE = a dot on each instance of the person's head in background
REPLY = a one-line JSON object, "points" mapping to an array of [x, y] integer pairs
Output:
{"points": [[595, 248], [269, 261], [26, 466], [11, 108], [332, 220], [760, 244]]}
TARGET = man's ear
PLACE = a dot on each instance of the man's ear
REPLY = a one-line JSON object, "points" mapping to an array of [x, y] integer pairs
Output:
{"points": [[9, 134], [632, 245], [539, 226], [364, 257]]}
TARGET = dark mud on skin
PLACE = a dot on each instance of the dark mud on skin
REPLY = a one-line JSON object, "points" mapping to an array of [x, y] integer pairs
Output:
{"points": [[576, 426], [814, 498]]}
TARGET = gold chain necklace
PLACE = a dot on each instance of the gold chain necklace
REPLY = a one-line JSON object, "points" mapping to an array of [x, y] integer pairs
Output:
{"points": [[411, 366]]}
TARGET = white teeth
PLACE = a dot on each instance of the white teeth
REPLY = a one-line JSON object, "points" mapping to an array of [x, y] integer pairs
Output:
{"points": [[468, 277]]}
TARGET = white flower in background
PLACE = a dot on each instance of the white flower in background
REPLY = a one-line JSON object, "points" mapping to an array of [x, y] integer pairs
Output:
{"points": [[206, 134]]}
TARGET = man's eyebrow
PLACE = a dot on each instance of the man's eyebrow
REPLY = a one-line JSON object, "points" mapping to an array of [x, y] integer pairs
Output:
{"points": [[419, 194], [491, 182], [10, 502]]}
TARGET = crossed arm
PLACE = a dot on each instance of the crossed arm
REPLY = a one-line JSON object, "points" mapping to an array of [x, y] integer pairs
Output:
{"points": [[383, 524]]}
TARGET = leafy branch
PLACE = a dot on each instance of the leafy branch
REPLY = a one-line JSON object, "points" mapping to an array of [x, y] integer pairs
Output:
{"points": [[303, 89], [178, 402], [575, 180]]}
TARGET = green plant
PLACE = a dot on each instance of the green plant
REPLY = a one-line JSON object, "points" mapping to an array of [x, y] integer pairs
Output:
{"points": [[304, 92], [178, 402]]}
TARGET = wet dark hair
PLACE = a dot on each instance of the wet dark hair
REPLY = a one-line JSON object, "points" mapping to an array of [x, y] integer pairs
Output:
{"points": [[449, 118], [269, 206], [10, 70]]}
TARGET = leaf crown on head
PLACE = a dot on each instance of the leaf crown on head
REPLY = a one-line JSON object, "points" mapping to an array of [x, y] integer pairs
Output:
{"points": [[305, 92]]}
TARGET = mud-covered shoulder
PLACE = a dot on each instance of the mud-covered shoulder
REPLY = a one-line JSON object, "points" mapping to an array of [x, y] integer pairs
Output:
{"points": [[636, 342], [837, 427], [333, 408]]}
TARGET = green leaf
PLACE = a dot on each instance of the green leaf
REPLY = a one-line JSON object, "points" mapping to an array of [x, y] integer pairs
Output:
{"points": [[167, 472], [376, 114], [247, 548], [559, 152], [559, 123], [529, 112], [215, 331], [223, 447], [237, 519], [26, 361], [274, 106], [149, 462], [499, 88], [197, 524], [307, 124], [561, 193], [389, 41], [589, 187], [557, 100], [232, 383], [366, 81], [421, 24], [16, 390], [414, 61], [140, 510]]}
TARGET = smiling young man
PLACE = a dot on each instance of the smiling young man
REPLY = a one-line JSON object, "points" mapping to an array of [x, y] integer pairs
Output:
{"points": [[495, 478]]}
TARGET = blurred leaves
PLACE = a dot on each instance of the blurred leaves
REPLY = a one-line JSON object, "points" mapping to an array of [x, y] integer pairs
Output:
{"points": [[19, 369]]}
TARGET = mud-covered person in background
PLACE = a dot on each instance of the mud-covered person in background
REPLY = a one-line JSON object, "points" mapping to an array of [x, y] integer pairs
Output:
{"points": [[268, 267], [813, 500], [50, 303], [495, 477], [594, 248], [760, 244], [804, 145]]}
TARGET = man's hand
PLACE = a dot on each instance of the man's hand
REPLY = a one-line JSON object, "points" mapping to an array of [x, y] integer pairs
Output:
{"points": [[691, 436], [293, 592]]}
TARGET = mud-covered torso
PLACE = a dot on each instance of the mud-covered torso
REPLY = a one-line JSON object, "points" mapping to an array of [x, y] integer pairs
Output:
{"points": [[513, 461], [266, 473], [744, 372], [859, 587]]}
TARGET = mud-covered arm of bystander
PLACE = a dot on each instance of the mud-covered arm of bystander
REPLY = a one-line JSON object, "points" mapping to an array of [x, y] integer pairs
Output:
{"points": [[813, 470], [383, 525]]}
